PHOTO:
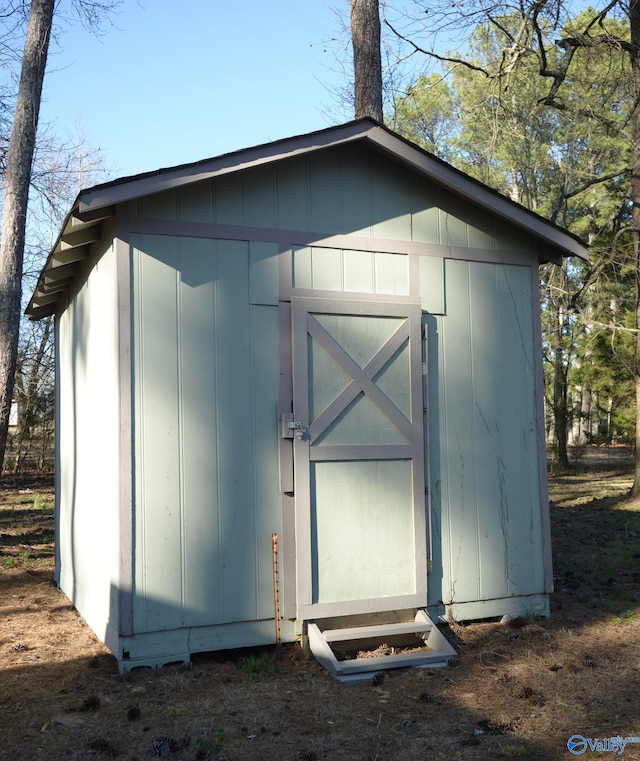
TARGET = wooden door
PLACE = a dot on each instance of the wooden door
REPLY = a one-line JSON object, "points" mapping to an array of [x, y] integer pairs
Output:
{"points": [[361, 528]]}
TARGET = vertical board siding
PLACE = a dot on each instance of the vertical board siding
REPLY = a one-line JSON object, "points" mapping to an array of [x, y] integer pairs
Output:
{"points": [[236, 492], [158, 206], [260, 198], [492, 505], [263, 272], [157, 423], [348, 190], [292, 189], [88, 523], [326, 211], [520, 451], [199, 422], [357, 193], [455, 382], [391, 274], [359, 273], [334, 269], [195, 202], [206, 379], [390, 203], [229, 199], [432, 284], [487, 499], [265, 385], [327, 269], [453, 229]]}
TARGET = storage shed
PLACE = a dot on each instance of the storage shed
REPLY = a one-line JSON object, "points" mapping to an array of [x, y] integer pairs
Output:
{"points": [[328, 345]]}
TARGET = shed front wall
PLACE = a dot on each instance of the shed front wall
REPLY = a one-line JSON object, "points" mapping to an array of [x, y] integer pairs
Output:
{"points": [[488, 525], [205, 391], [207, 385], [348, 190]]}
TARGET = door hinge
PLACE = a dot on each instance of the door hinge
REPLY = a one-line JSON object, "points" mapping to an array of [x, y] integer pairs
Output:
{"points": [[429, 566]]}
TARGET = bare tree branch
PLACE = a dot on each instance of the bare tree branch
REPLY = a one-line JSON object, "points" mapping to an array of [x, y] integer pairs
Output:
{"points": [[433, 54]]}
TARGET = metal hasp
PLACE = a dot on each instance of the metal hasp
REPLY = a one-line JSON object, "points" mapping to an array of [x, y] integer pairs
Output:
{"points": [[290, 428]]}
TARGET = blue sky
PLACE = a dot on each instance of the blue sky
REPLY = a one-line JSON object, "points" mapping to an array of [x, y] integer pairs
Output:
{"points": [[173, 82]]}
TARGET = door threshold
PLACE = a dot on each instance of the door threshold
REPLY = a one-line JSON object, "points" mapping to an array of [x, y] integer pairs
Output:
{"points": [[353, 654]]}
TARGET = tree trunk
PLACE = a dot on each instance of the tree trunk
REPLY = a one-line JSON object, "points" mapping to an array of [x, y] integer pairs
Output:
{"points": [[17, 180], [560, 416], [634, 18], [365, 38]]}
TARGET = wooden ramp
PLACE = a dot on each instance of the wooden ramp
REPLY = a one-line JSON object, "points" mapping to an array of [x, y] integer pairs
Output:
{"points": [[350, 654]]}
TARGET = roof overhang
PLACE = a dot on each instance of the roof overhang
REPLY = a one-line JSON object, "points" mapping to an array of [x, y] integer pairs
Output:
{"points": [[82, 226]]}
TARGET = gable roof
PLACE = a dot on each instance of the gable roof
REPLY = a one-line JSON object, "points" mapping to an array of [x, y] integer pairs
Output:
{"points": [[93, 206]]}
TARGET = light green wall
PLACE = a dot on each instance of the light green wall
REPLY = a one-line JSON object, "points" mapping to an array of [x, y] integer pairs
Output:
{"points": [[206, 387], [484, 440], [88, 469], [347, 190], [206, 383], [487, 535]]}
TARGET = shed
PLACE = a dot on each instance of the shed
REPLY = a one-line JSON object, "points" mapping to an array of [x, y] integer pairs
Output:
{"points": [[329, 345]]}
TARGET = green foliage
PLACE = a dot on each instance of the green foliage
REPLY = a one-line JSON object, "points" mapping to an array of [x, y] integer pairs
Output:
{"points": [[426, 114], [564, 157], [257, 665], [177, 712]]}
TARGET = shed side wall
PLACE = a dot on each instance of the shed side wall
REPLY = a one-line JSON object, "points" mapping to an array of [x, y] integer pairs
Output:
{"points": [[88, 472]]}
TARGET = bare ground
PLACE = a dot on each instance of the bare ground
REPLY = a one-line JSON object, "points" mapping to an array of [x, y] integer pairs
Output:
{"points": [[518, 691]]}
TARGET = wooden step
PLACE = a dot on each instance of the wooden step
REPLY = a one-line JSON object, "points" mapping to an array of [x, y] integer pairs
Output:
{"points": [[383, 630], [359, 670]]}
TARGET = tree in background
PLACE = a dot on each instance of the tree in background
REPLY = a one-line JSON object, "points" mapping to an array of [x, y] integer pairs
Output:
{"points": [[18, 178], [14, 219], [545, 105], [367, 63], [427, 115], [61, 166]]}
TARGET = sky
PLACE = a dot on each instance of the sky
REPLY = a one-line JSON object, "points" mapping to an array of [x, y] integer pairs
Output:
{"points": [[175, 81]]}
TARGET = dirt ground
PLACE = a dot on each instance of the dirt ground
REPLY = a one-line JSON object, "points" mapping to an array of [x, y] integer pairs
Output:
{"points": [[517, 691]]}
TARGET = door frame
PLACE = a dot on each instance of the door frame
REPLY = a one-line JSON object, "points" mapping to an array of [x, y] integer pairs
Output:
{"points": [[409, 308]]}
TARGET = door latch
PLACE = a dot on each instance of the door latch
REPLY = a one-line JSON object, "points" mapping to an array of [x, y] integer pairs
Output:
{"points": [[290, 428]]}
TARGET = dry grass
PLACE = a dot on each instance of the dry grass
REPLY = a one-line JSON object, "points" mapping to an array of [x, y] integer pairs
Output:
{"points": [[519, 691]]}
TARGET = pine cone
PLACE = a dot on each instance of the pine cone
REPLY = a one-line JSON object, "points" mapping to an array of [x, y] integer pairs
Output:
{"points": [[161, 747], [100, 744], [92, 703]]}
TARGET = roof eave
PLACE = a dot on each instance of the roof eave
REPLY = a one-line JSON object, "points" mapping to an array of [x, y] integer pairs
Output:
{"points": [[82, 225], [71, 248], [475, 192], [128, 188]]}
